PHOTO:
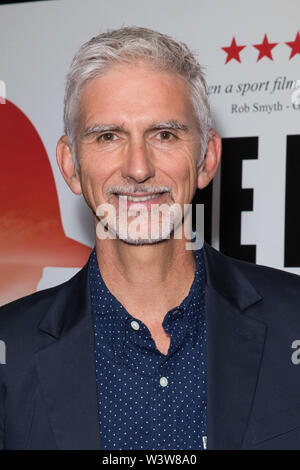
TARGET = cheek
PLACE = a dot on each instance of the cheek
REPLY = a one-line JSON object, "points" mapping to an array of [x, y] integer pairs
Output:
{"points": [[183, 173], [94, 172], [92, 185]]}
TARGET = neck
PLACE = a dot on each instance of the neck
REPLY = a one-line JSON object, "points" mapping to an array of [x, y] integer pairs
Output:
{"points": [[147, 279]]}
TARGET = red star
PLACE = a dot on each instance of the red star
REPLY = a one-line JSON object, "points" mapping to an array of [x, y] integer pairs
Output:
{"points": [[265, 48], [294, 45], [233, 51]]}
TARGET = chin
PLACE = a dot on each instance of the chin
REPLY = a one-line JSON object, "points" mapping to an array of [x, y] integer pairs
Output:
{"points": [[143, 238]]}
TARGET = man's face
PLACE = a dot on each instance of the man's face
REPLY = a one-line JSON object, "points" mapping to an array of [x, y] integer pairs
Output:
{"points": [[137, 137]]}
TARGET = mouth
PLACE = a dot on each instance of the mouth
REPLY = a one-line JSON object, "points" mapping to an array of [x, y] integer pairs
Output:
{"points": [[143, 198]]}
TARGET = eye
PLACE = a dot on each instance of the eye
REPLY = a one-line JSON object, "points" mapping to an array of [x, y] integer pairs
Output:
{"points": [[166, 135], [107, 137]]}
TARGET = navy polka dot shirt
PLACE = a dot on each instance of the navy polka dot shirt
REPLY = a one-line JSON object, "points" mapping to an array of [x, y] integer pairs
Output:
{"points": [[148, 400]]}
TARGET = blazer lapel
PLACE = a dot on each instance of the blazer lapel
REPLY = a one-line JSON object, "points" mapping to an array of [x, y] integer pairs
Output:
{"points": [[66, 367], [234, 351]]}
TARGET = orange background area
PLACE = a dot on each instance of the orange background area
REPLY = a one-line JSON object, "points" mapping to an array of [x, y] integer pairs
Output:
{"points": [[31, 232]]}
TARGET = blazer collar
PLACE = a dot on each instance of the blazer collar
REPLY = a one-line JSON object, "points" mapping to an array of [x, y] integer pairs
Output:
{"points": [[225, 275]]}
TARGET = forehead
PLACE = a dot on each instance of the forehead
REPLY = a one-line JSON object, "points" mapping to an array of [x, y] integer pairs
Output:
{"points": [[135, 92]]}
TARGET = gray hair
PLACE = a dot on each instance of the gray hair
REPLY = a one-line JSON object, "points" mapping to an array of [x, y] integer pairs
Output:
{"points": [[125, 46]]}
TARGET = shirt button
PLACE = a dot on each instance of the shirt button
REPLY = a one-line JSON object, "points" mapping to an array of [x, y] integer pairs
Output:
{"points": [[163, 381], [135, 325]]}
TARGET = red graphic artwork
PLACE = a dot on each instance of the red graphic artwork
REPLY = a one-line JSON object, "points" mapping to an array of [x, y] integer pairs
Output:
{"points": [[233, 51], [31, 232], [294, 45], [265, 48]]}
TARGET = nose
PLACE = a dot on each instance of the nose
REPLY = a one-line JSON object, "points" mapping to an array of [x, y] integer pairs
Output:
{"points": [[137, 164]]}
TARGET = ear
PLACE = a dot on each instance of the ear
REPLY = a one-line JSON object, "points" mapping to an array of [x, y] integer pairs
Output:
{"points": [[212, 157], [66, 165]]}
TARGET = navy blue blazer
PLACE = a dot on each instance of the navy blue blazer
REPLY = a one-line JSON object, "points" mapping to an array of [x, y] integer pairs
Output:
{"points": [[48, 385]]}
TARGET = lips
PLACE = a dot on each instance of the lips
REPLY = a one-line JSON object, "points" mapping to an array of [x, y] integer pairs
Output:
{"points": [[141, 198]]}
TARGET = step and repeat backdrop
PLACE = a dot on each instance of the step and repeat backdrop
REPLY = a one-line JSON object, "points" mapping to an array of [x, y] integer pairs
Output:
{"points": [[251, 55]]}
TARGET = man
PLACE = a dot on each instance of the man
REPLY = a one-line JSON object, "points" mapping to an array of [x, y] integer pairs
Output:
{"points": [[151, 345]]}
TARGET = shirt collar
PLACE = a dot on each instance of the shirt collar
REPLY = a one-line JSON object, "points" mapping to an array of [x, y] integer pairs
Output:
{"points": [[98, 285]]}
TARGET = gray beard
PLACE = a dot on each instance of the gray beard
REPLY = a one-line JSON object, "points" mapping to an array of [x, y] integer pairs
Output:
{"points": [[164, 234]]}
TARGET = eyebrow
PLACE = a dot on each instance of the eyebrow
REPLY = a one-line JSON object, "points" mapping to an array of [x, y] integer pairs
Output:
{"points": [[171, 124]]}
